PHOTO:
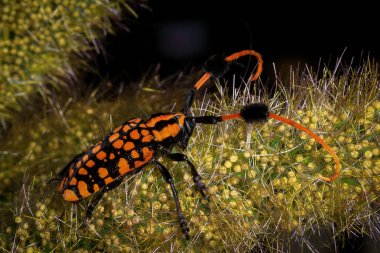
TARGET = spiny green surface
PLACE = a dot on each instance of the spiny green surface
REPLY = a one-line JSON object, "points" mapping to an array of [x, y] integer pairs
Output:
{"points": [[264, 188], [47, 42]]}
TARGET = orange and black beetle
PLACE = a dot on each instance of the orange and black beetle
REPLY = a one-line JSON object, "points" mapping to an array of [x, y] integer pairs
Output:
{"points": [[136, 143]]}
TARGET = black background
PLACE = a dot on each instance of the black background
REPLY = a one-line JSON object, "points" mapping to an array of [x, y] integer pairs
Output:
{"points": [[286, 33]]}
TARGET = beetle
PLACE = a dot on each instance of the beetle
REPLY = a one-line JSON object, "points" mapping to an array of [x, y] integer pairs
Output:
{"points": [[127, 149]]}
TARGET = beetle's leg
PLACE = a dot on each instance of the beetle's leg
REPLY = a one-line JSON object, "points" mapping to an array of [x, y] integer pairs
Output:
{"points": [[95, 201], [92, 205], [196, 177], [169, 179]]}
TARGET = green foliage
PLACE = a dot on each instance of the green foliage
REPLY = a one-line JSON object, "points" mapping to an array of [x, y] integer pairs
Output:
{"points": [[262, 179]]}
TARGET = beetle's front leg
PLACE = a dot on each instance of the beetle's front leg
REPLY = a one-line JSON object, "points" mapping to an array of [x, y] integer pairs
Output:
{"points": [[196, 177]]}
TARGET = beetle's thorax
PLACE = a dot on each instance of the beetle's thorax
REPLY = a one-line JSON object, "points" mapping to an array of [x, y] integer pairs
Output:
{"points": [[166, 127]]}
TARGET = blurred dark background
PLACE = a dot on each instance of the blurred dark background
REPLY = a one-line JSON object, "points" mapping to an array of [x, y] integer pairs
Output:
{"points": [[181, 35]]}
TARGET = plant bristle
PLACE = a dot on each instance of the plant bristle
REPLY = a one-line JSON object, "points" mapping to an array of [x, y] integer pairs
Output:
{"points": [[254, 112], [216, 66]]}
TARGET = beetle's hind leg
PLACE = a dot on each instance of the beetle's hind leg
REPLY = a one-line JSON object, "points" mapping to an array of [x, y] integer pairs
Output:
{"points": [[169, 179], [94, 202], [196, 177]]}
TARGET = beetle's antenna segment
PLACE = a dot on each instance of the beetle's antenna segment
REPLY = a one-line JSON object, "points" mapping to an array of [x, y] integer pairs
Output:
{"points": [[260, 61], [259, 112], [202, 81], [217, 66], [338, 166], [214, 67]]}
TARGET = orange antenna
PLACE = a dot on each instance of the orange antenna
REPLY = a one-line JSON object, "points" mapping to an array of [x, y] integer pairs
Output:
{"points": [[338, 166], [260, 61], [217, 66], [259, 112], [201, 81]]}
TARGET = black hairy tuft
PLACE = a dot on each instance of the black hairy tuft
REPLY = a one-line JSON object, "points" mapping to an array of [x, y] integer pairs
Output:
{"points": [[254, 112], [216, 66]]}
